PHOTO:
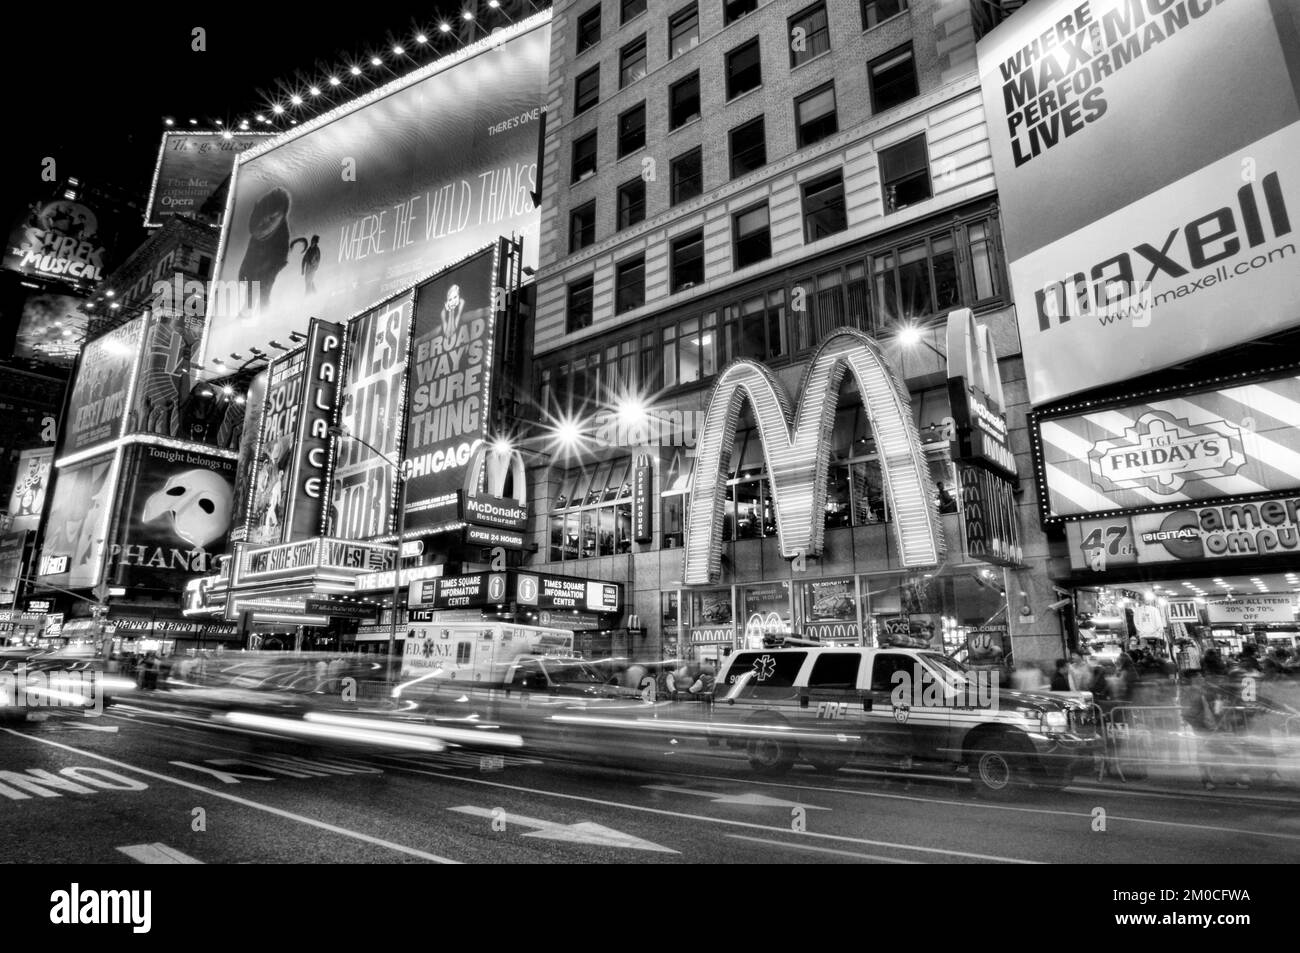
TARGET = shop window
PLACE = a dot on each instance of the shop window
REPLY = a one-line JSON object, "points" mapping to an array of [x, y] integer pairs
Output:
{"points": [[765, 612], [632, 8], [584, 156], [905, 173], [687, 174], [810, 34], [917, 280], [711, 608], [631, 203], [582, 226], [823, 207], [687, 264], [878, 11], [684, 101], [748, 147], [673, 520], [586, 90], [631, 130], [589, 29], [830, 600], [683, 31], [744, 69], [815, 116], [591, 514], [751, 236], [579, 312], [733, 10], [631, 62], [892, 79], [629, 284]]}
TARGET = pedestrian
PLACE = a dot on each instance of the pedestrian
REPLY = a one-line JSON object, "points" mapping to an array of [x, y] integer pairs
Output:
{"points": [[1061, 677], [703, 684], [670, 684], [1028, 678], [1081, 673], [1120, 685], [1200, 712], [1249, 661]]}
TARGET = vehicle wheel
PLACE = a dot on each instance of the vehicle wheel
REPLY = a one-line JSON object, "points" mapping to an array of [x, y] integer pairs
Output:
{"points": [[996, 768], [771, 756]]}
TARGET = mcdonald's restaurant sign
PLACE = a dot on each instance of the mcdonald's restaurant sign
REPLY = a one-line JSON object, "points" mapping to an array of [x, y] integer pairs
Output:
{"points": [[481, 500], [796, 446], [975, 393]]}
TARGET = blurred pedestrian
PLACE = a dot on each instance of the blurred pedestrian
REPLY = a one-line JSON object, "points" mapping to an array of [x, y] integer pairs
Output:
{"points": [[1061, 677], [703, 684], [1200, 710], [1028, 678], [1081, 673]]}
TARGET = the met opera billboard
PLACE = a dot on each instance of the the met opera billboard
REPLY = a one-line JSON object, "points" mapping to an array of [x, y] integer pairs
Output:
{"points": [[356, 205]]}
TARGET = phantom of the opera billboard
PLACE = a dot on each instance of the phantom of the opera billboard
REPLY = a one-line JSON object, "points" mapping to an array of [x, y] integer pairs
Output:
{"points": [[1148, 211], [360, 203], [175, 519], [191, 169], [28, 496], [73, 547]]}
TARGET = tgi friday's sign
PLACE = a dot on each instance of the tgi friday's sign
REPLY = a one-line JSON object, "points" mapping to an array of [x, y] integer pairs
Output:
{"points": [[1203, 445]]}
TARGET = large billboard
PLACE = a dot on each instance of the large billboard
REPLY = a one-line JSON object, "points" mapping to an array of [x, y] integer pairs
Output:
{"points": [[28, 496], [1201, 445], [1145, 158], [72, 551], [371, 418], [98, 406], [11, 565], [451, 365], [365, 200], [59, 240], [175, 519], [191, 168], [245, 467], [51, 328], [269, 491]]}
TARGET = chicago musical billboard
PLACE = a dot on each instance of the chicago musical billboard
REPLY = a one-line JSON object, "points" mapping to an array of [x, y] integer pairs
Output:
{"points": [[334, 216]]}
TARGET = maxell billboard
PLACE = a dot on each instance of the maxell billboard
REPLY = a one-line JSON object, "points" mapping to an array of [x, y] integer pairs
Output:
{"points": [[98, 406], [191, 168], [451, 365], [1148, 211], [359, 203]]}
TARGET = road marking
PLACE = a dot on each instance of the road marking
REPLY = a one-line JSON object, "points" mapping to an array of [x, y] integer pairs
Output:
{"points": [[278, 812], [716, 820], [83, 727], [157, 854], [744, 800], [823, 850], [583, 832]]}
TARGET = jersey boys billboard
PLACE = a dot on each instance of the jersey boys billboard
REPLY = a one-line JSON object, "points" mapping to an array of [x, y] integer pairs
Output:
{"points": [[362, 203], [98, 406], [1148, 211]]}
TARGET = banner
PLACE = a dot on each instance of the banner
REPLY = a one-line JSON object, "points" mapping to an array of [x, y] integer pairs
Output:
{"points": [[11, 565], [250, 434], [175, 520], [451, 364], [98, 406], [366, 200], [59, 240], [371, 413], [1252, 610], [51, 328], [307, 480], [1198, 446], [192, 168], [269, 490], [1148, 215], [30, 483], [72, 550]]}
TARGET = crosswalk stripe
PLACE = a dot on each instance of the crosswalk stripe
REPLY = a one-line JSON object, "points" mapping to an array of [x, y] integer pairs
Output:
{"points": [[157, 854]]}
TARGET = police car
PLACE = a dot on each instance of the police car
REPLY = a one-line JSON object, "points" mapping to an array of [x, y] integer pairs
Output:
{"points": [[829, 705]]}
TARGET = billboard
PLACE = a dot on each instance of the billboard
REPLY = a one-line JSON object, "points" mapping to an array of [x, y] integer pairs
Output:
{"points": [[97, 409], [191, 168], [1202, 445], [365, 200], [28, 496], [371, 412], [268, 491], [73, 548], [1145, 257], [50, 328], [60, 240], [11, 565], [250, 433], [175, 519], [451, 364]]}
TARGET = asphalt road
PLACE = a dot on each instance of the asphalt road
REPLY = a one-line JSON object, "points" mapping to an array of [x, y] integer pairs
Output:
{"points": [[134, 786]]}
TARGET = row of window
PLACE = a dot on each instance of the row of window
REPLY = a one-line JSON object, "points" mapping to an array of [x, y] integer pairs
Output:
{"points": [[905, 179], [905, 281]]}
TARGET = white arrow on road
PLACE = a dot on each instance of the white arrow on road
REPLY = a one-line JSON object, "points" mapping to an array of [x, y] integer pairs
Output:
{"points": [[584, 832], [747, 800], [157, 854]]}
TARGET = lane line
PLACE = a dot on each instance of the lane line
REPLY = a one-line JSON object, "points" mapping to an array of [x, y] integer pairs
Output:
{"points": [[715, 820], [823, 850], [278, 812], [157, 854]]}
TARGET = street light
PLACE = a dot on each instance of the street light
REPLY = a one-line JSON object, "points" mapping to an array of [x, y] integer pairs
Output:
{"points": [[400, 474], [909, 335]]}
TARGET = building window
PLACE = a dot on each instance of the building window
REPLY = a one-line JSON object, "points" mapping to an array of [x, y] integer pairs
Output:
{"points": [[592, 511], [631, 130], [810, 34], [748, 148], [586, 90], [755, 327], [905, 173], [744, 69], [823, 207], [683, 31], [632, 8], [814, 115], [752, 236], [878, 11], [916, 280], [579, 313], [892, 78], [631, 62], [733, 10], [631, 203], [690, 350], [684, 101], [687, 174], [687, 264], [979, 237], [589, 29], [629, 284], [584, 156], [582, 226]]}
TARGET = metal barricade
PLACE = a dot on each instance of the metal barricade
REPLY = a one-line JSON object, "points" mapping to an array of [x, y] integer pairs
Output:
{"points": [[1138, 737]]}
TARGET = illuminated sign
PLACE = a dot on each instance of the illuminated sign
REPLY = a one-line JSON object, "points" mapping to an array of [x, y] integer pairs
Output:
{"points": [[300, 559], [1252, 610], [11, 565], [797, 456], [975, 393], [643, 501], [97, 409], [476, 590], [61, 239], [487, 536], [990, 518], [270, 490], [191, 168], [306, 504], [495, 512], [370, 582], [340, 609], [30, 483]]}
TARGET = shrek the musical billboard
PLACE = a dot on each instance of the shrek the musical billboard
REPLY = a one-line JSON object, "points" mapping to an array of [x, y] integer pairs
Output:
{"points": [[354, 206]]}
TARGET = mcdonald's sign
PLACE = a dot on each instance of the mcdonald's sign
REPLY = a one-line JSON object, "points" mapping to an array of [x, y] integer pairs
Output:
{"points": [[975, 393], [796, 447]]}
